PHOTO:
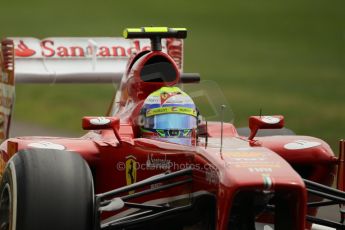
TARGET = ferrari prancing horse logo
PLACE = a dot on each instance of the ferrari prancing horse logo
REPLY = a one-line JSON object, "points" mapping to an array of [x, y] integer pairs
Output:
{"points": [[131, 169]]}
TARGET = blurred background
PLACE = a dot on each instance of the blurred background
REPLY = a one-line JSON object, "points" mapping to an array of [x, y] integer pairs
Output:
{"points": [[284, 57]]}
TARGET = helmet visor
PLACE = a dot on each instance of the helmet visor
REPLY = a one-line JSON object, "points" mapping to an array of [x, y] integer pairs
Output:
{"points": [[171, 121]]}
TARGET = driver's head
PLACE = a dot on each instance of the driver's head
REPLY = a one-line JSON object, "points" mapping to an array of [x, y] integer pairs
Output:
{"points": [[169, 114]]}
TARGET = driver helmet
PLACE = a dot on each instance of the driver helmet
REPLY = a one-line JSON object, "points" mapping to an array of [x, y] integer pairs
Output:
{"points": [[169, 114]]}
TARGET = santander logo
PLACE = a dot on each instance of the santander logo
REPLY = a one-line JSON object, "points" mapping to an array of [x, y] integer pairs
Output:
{"points": [[23, 50], [83, 48], [50, 49]]}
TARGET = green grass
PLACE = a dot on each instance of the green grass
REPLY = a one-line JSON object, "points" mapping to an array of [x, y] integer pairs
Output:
{"points": [[286, 57]]}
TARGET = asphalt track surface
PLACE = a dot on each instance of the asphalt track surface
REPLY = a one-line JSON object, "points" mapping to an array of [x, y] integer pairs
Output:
{"points": [[23, 129]]}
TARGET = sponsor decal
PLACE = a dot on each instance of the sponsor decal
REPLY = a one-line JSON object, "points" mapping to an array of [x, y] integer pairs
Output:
{"points": [[301, 144], [270, 120], [258, 166], [249, 159], [177, 98], [131, 170], [100, 121], [49, 49], [79, 47], [88, 47], [260, 170], [211, 176], [165, 96], [157, 163], [46, 145], [22, 50], [245, 156], [165, 110]]}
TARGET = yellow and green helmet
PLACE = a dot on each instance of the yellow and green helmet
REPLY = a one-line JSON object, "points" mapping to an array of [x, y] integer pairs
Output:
{"points": [[169, 114]]}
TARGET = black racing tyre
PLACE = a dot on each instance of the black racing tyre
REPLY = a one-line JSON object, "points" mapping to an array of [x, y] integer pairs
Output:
{"points": [[46, 189]]}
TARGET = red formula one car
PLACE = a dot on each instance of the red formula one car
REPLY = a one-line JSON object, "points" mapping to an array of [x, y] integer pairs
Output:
{"points": [[153, 162]]}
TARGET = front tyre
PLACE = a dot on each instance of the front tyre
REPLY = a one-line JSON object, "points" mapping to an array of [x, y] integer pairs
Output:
{"points": [[5, 210], [46, 189]]}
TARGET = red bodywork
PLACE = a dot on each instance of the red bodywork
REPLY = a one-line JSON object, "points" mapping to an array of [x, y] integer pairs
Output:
{"points": [[264, 165]]}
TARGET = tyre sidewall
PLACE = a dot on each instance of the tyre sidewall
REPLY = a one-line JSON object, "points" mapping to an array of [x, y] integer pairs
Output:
{"points": [[8, 181]]}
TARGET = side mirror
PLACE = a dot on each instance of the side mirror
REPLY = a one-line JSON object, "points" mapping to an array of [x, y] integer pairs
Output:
{"points": [[264, 122], [99, 123]]}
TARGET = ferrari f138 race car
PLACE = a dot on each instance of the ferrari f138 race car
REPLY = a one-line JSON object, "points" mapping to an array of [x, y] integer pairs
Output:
{"points": [[155, 161]]}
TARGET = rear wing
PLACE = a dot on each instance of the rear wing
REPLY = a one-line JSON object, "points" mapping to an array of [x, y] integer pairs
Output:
{"points": [[80, 60], [67, 60]]}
